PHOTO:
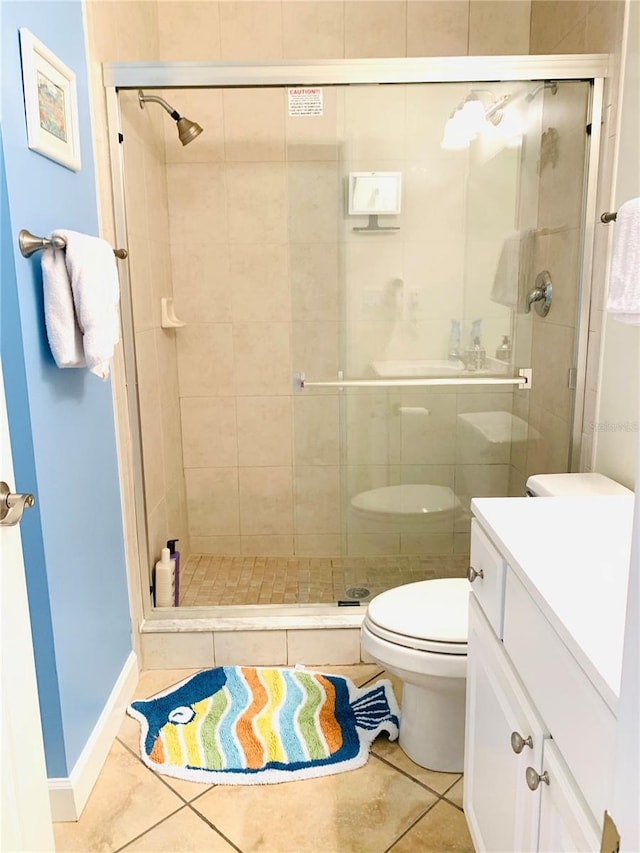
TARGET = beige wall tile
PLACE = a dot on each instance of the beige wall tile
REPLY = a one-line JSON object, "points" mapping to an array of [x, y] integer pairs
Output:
{"points": [[314, 201], [251, 29], [254, 124], [189, 31], [256, 202], [266, 501], [157, 533], [316, 433], [177, 650], [318, 545], [313, 29], [197, 211], [315, 350], [480, 481], [426, 543], [250, 648], [140, 282], [314, 281], [437, 27], [209, 432], [368, 138], [212, 496], [575, 41], [267, 546], [202, 282], [553, 20], [317, 499], [375, 28], [499, 28], [331, 646], [563, 264], [259, 279], [150, 416], [171, 444], [372, 544], [205, 360], [604, 26], [430, 438], [263, 358], [370, 430], [264, 431], [221, 545], [315, 137]]}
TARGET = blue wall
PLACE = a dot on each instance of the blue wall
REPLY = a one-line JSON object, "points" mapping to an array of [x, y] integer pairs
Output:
{"points": [[61, 421]]}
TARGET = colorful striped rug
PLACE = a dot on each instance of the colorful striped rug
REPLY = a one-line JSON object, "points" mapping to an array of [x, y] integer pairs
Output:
{"points": [[242, 725]]}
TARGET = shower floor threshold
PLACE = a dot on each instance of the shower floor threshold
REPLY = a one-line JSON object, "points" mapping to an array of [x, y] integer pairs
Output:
{"points": [[248, 618]]}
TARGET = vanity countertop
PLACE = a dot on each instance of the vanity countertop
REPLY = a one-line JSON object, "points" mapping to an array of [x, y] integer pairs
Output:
{"points": [[572, 554]]}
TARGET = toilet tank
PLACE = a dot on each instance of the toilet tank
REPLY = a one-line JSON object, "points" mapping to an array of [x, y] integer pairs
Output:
{"points": [[559, 485]]}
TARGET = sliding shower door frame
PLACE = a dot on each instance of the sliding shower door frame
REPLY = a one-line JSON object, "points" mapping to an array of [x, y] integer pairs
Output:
{"points": [[593, 68]]}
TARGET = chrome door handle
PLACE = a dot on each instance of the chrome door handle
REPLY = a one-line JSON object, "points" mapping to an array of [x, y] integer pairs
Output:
{"points": [[533, 778], [12, 506], [518, 742], [472, 574]]}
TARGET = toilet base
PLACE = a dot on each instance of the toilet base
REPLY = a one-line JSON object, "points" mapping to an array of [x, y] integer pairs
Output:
{"points": [[432, 724]]}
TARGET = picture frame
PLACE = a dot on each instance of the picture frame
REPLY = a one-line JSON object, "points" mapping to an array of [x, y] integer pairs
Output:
{"points": [[51, 103]]}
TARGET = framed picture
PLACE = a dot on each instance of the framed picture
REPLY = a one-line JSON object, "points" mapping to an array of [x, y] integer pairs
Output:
{"points": [[51, 103]]}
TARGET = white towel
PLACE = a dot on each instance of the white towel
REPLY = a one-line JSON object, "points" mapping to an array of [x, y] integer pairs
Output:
{"points": [[81, 296], [623, 302], [513, 271]]}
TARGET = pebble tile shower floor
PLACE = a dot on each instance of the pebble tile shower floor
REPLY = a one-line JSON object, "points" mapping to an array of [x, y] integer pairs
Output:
{"points": [[212, 580]]}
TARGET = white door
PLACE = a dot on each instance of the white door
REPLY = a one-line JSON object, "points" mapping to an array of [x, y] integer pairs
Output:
{"points": [[25, 813]]}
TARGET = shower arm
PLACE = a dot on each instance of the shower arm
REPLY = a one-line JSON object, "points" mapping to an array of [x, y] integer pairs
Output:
{"points": [[142, 99]]}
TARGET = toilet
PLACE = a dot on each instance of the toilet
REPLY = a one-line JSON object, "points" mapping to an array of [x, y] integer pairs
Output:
{"points": [[410, 507], [418, 632]]}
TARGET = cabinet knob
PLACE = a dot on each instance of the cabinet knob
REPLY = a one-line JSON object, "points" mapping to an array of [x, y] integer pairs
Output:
{"points": [[518, 742], [472, 574], [533, 778]]}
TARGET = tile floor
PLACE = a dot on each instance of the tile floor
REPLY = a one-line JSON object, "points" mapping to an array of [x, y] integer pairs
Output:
{"points": [[390, 804], [212, 580]]}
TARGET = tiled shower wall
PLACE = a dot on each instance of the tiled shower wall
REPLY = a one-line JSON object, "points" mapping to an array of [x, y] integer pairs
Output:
{"points": [[228, 30]]}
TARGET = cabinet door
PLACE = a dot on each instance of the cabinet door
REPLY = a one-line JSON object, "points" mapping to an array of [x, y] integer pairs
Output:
{"points": [[566, 824], [501, 811]]}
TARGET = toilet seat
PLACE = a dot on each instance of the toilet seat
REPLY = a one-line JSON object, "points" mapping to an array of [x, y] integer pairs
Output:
{"points": [[428, 616], [408, 501]]}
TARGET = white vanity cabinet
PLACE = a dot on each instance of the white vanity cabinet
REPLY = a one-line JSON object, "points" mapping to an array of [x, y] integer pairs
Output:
{"points": [[540, 717]]}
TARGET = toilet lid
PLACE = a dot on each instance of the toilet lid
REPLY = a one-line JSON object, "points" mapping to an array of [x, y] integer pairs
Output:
{"points": [[423, 615], [408, 499]]}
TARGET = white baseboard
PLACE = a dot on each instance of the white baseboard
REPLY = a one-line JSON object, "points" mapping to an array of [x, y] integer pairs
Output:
{"points": [[69, 795]]}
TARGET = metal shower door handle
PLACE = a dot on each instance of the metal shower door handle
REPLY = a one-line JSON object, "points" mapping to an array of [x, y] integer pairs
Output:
{"points": [[541, 294], [12, 506]]}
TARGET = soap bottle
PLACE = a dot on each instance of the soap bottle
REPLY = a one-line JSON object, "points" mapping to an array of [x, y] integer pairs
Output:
{"points": [[175, 557], [479, 354], [503, 352], [163, 586], [454, 341]]}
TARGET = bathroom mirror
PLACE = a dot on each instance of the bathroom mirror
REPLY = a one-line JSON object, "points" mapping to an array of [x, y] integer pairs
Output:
{"points": [[374, 193]]}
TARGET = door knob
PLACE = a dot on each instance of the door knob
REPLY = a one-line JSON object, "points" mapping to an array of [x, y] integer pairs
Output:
{"points": [[12, 506], [518, 742], [472, 574], [533, 778]]}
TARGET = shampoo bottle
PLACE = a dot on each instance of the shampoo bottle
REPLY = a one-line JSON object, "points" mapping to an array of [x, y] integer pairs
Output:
{"points": [[454, 341], [175, 557], [164, 580]]}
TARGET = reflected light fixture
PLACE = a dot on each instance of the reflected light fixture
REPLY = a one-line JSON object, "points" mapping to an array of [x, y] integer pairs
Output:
{"points": [[468, 120], [187, 130]]}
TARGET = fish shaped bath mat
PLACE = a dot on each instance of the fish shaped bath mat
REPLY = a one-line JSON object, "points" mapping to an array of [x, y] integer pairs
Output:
{"points": [[243, 725]]}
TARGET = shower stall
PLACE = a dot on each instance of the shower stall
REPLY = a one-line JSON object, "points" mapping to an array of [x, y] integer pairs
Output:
{"points": [[356, 300]]}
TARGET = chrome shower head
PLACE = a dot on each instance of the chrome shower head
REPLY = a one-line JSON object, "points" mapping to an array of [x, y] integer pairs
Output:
{"points": [[187, 130]]}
